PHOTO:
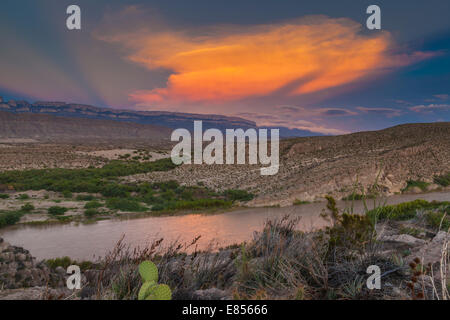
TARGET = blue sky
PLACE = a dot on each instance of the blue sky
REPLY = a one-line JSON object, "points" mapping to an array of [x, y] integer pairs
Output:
{"points": [[275, 62]]}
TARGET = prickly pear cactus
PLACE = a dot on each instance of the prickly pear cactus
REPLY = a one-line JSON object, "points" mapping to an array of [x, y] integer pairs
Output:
{"points": [[150, 289], [148, 271]]}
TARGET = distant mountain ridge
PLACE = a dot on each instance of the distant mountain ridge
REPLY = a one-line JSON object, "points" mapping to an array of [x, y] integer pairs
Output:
{"points": [[172, 120], [44, 127]]}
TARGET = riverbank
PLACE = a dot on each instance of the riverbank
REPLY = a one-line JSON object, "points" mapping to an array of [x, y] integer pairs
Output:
{"points": [[280, 262]]}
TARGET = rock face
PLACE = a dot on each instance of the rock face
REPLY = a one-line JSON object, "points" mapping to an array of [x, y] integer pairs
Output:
{"points": [[18, 269], [432, 252], [404, 238]]}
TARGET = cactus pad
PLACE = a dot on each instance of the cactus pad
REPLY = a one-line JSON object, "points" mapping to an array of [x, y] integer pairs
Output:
{"points": [[145, 289], [161, 292], [148, 271]]}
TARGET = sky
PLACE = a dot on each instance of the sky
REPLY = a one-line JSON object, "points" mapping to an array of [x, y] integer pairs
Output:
{"points": [[311, 65]]}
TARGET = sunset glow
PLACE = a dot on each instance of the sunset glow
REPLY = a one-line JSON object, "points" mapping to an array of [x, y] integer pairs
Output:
{"points": [[230, 63]]}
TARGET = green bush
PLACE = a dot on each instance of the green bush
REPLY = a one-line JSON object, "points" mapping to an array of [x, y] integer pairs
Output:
{"points": [[93, 205], [300, 202], [4, 196], [124, 204], [57, 211], [351, 231], [28, 207], [402, 211], [199, 204], [91, 213], [83, 197], [65, 262], [422, 185], [115, 190], [67, 194], [357, 196], [443, 180], [9, 218], [159, 207], [238, 195], [24, 197], [435, 218], [354, 197]]}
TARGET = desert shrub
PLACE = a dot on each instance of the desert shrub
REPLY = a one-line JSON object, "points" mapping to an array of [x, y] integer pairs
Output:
{"points": [[85, 197], [353, 197], [124, 204], [168, 195], [300, 202], [9, 218], [151, 199], [349, 231], [358, 196], [65, 262], [115, 190], [4, 196], [93, 205], [438, 219], [159, 207], [238, 195], [352, 231], [28, 207], [57, 211], [187, 195], [166, 185], [199, 204], [67, 194], [422, 185], [401, 211], [443, 180], [91, 213]]}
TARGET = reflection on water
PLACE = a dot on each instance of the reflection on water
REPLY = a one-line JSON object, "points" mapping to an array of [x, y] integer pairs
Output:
{"points": [[84, 241]]}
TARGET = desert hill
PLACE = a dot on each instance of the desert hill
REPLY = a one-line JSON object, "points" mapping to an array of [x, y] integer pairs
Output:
{"points": [[313, 167]]}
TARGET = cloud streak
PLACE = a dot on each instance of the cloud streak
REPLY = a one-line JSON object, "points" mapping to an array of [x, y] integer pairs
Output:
{"points": [[430, 108], [387, 112], [229, 63]]}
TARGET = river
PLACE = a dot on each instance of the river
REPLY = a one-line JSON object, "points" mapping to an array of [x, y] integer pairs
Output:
{"points": [[89, 241]]}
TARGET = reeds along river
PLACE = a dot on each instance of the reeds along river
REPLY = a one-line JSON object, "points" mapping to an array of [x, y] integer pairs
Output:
{"points": [[88, 241]]}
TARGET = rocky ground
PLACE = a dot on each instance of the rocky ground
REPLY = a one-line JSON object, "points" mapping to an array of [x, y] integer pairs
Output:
{"points": [[24, 278]]}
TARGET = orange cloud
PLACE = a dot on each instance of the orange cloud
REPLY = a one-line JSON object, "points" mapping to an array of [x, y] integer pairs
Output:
{"points": [[230, 63]]}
